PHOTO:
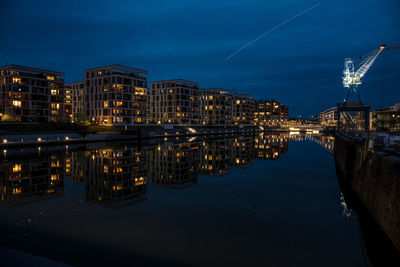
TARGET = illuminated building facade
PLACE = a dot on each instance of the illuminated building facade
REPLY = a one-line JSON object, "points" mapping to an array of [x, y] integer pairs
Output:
{"points": [[215, 106], [284, 114], [30, 94], [174, 166], [271, 112], [68, 99], [78, 103], [387, 119], [328, 117], [116, 95], [174, 102], [243, 108]]}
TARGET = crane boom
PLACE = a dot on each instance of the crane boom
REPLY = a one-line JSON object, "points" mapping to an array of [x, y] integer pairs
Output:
{"points": [[353, 77], [367, 63]]}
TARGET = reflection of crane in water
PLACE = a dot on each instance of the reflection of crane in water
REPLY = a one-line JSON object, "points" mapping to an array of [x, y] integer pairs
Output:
{"points": [[352, 79], [346, 211]]}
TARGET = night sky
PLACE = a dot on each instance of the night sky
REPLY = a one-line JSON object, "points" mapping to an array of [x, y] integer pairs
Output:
{"points": [[299, 64]]}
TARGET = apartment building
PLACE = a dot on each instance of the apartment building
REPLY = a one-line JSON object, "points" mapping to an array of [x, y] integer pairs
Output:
{"points": [[386, 119], [174, 102], [271, 112], [243, 108], [284, 114], [78, 101], [68, 101], [328, 117], [215, 106], [116, 95], [31, 94]]}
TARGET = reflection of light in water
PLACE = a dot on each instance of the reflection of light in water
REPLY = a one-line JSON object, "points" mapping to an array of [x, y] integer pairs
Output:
{"points": [[191, 139]]}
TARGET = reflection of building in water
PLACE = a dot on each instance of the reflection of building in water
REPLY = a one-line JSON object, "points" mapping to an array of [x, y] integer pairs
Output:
{"points": [[174, 166], [114, 177], [22, 182], [78, 163], [271, 146], [242, 151], [328, 142], [216, 157]]}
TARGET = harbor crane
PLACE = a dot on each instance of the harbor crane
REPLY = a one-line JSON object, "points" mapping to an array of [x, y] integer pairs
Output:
{"points": [[352, 78]]}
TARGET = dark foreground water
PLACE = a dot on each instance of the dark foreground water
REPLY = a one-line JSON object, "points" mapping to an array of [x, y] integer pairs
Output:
{"points": [[227, 201]]}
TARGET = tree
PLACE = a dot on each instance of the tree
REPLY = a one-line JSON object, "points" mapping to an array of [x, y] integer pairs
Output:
{"points": [[8, 117], [82, 119]]}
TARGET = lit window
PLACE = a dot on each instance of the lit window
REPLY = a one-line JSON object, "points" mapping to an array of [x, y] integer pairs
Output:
{"points": [[139, 91], [106, 104], [16, 80], [53, 92], [52, 78], [17, 168], [17, 103], [16, 191]]}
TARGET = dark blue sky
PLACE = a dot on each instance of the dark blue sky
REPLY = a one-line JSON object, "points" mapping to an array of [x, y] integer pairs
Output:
{"points": [[299, 64]]}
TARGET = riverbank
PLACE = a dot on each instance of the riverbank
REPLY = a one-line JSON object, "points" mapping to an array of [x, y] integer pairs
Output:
{"points": [[103, 134]]}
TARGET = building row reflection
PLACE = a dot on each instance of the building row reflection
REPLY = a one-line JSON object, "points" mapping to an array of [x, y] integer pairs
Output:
{"points": [[117, 177]]}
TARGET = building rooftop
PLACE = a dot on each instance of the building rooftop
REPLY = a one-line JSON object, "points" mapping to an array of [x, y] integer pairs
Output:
{"points": [[177, 81], [244, 96], [120, 68], [225, 91], [32, 70]]}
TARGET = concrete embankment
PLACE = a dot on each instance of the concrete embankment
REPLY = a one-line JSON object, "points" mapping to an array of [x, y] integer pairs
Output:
{"points": [[375, 178], [8, 139]]}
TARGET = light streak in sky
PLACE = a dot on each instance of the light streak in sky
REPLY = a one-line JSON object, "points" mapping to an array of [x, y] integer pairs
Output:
{"points": [[270, 30]]}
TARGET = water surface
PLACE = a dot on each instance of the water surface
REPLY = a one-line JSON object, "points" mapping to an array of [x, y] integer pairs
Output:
{"points": [[271, 200]]}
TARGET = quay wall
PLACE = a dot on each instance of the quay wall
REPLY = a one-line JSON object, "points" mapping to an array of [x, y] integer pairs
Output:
{"points": [[8, 139], [375, 178]]}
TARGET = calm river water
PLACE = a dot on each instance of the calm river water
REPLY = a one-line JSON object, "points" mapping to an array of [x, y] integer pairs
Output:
{"points": [[264, 200]]}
